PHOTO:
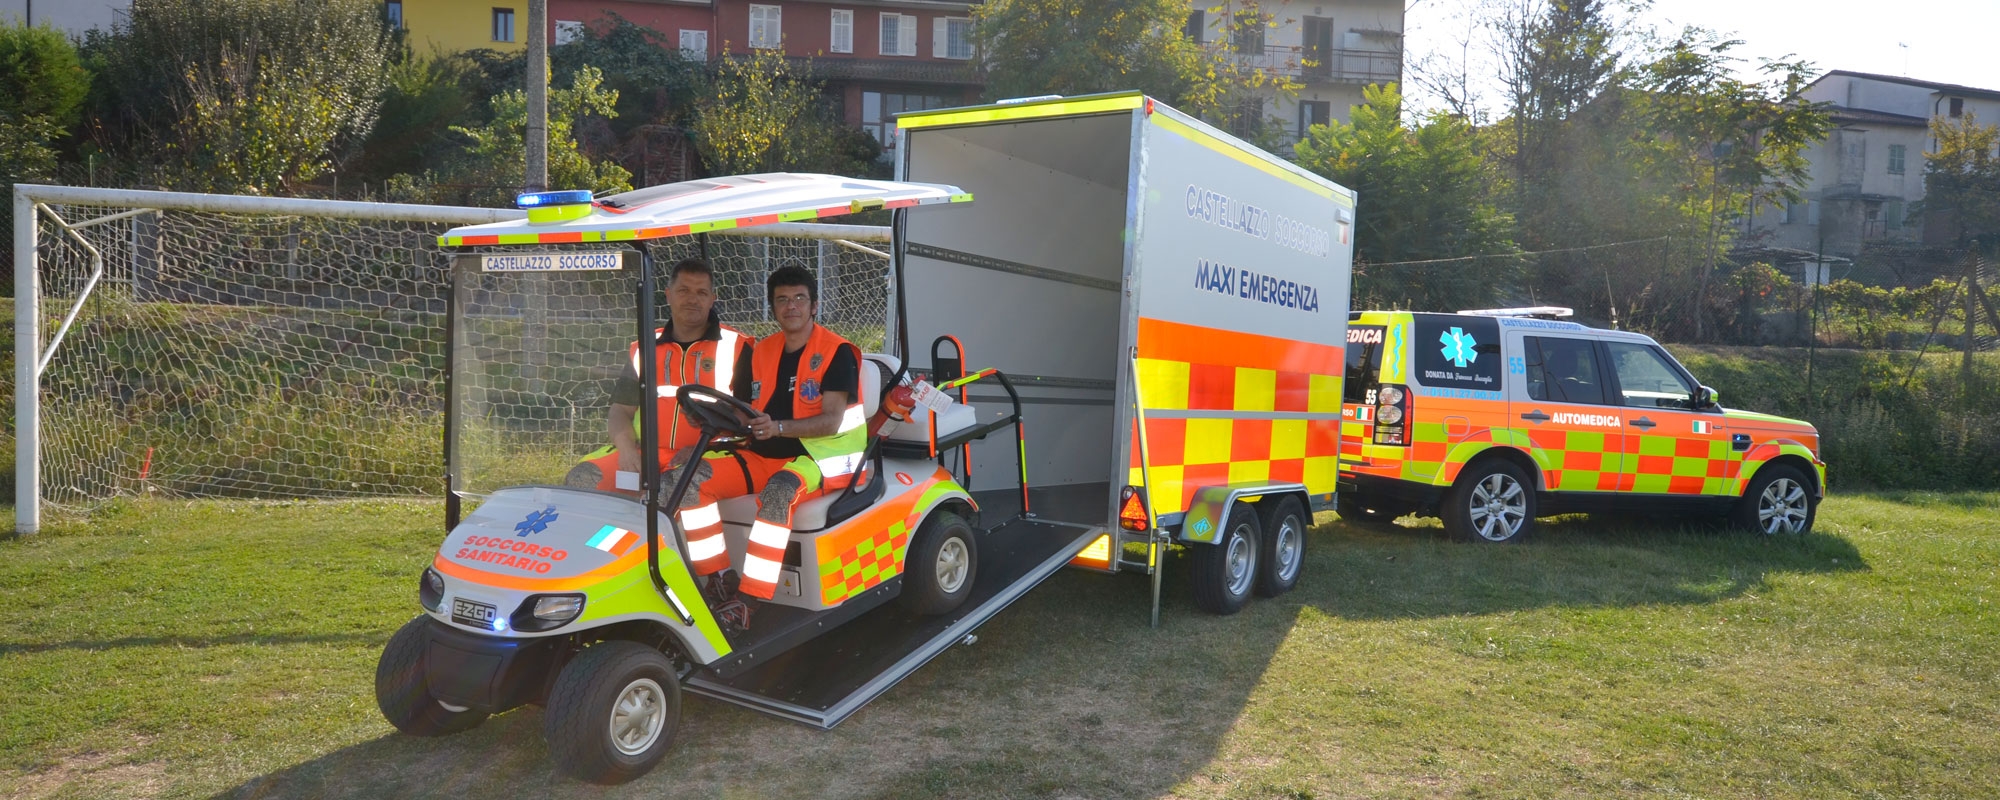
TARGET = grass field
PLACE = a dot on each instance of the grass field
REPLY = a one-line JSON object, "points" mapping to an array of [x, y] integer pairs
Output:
{"points": [[177, 649]]}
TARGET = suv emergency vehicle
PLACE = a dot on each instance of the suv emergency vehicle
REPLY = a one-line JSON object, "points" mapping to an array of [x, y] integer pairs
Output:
{"points": [[1492, 418]]}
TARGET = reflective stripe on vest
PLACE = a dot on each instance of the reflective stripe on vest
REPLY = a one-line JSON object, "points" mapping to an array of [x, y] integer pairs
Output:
{"points": [[838, 455], [672, 358]]}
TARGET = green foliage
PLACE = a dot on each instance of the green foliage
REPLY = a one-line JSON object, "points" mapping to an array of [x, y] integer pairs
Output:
{"points": [[424, 98], [655, 83], [496, 153], [1962, 181], [1427, 193], [40, 75], [1072, 47], [764, 114], [239, 95]]}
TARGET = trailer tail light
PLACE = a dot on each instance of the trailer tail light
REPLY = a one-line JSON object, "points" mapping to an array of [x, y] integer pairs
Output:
{"points": [[1132, 514], [1392, 415]]}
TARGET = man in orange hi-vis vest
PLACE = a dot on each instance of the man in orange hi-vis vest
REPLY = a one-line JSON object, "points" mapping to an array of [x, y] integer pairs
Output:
{"points": [[694, 347], [808, 439]]}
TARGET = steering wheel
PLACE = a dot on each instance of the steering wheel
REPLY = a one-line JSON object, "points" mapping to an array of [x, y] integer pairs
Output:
{"points": [[711, 408]]}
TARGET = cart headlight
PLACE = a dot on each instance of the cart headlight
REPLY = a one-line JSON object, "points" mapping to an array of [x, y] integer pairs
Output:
{"points": [[1390, 396], [430, 590], [543, 612], [1388, 415]]}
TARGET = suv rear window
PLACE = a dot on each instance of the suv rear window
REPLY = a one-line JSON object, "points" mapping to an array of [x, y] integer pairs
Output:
{"points": [[1458, 352], [1364, 362]]}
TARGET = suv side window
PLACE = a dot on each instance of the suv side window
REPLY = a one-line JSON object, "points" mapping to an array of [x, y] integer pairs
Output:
{"points": [[1563, 370], [1646, 379]]}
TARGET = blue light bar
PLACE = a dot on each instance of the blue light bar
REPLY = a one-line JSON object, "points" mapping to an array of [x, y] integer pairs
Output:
{"points": [[544, 199]]}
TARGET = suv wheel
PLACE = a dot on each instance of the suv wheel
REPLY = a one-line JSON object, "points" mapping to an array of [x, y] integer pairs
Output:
{"points": [[1491, 502]]}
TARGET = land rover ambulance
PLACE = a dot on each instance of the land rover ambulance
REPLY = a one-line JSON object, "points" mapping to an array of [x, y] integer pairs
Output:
{"points": [[1492, 418]]}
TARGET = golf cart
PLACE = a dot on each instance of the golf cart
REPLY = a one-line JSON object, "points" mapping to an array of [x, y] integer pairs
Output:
{"points": [[583, 601]]}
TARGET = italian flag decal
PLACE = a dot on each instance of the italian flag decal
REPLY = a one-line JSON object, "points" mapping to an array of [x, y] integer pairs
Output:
{"points": [[615, 540], [1703, 426], [1364, 413]]}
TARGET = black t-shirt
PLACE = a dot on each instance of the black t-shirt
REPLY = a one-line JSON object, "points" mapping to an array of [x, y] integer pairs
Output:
{"points": [[843, 375], [627, 391]]}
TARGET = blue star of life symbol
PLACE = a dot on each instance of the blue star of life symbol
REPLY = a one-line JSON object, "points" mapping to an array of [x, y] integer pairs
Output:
{"points": [[1458, 347], [536, 522]]}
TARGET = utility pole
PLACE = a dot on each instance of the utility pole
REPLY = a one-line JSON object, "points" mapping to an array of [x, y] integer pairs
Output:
{"points": [[538, 96]]}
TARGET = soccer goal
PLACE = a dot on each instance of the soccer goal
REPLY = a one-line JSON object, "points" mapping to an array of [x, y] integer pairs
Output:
{"points": [[195, 345]]}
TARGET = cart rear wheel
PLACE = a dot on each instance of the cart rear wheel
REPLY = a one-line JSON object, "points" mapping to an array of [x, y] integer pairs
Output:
{"points": [[1225, 571], [613, 712], [403, 692], [942, 564], [1283, 555]]}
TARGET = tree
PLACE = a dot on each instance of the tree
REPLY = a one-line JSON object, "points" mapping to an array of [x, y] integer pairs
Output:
{"points": [[1071, 47], [240, 95], [40, 75], [495, 153], [1555, 57], [1722, 144], [1962, 182], [764, 114], [1429, 194]]}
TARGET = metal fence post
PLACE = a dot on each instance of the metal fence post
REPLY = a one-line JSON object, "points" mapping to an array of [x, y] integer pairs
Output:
{"points": [[27, 379]]}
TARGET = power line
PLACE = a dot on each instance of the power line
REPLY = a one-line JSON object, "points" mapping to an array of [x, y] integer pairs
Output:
{"points": [[1510, 255]]}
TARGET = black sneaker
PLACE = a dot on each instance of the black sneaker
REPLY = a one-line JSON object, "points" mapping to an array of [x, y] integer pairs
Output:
{"points": [[721, 587], [734, 616]]}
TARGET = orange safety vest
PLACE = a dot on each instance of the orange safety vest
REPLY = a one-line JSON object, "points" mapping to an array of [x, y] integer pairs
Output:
{"points": [[838, 455], [709, 362]]}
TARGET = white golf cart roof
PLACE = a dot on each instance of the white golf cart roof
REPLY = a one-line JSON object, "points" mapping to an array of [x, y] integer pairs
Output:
{"points": [[679, 209]]}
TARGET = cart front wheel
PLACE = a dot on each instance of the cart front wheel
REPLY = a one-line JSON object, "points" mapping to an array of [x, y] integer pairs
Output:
{"points": [[402, 690], [613, 712]]}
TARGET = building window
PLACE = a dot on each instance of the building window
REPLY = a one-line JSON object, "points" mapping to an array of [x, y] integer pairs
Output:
{"points": [[899, 35], [503, 24], [1957, 107], [1314, 112], [1892, 213], [1248, 36], [1896, 153], [392, 13], [767, 27], [842, 40], [951, 37], [1795, 212], [694, 44], [879, 110], [568, 31], [1197, 26]]}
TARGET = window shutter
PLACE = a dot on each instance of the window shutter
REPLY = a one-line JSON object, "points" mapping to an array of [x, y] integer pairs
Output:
{"points": [[940, 39], [906, 37]]}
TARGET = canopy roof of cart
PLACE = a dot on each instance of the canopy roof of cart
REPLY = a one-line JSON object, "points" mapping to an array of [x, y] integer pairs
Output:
{"points": [[679, 209]]}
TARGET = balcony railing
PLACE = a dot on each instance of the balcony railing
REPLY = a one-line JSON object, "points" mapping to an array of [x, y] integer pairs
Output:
{"points": [[1312, 65]]}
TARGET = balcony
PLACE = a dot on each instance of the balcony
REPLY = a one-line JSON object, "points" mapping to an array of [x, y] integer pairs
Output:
{"points": [[1314, 65]]}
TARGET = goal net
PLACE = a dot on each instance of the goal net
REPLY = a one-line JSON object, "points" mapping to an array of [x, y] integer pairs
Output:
{"points": [[204, 346]]}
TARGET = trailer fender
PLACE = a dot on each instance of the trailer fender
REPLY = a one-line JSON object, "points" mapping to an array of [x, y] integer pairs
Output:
{"points": [[1211, 504]]}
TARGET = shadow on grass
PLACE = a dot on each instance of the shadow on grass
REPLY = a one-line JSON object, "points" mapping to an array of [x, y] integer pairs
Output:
{"points": [[193, 642], [1070, 693], [1381, 571]]}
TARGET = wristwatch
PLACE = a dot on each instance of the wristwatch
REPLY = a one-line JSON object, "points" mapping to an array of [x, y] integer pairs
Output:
{"points": [[781, 427]]}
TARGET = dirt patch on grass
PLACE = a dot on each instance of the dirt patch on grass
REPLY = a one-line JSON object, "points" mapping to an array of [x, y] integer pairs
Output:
{"points": [[92, 774]]}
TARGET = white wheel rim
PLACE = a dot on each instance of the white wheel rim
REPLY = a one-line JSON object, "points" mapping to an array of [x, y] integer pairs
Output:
{"points": [[1289, 540], [1499, 507], [1782, 508], [452, 708], [953, 562], [638, 717], [1242, 561]]}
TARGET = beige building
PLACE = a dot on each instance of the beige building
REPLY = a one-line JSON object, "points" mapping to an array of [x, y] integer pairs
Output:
{"points": [[1870, 170], [1332, 48]]}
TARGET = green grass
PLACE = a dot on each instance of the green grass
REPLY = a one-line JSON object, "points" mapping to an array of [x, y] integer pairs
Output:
{"points": [[182, 649]]}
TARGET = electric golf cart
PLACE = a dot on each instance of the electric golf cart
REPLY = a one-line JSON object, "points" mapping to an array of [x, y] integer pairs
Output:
{"points": [[582, 601]]}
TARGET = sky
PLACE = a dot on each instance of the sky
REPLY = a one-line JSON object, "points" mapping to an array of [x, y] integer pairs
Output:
{"points": [[1947, 41]]}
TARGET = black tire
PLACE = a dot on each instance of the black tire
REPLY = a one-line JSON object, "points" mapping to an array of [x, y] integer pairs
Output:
{"points": [[1224, 572], [1491, 502], [1282, 555], [1367, 511], [942, 564], [1782, 491], [608, 678], [402, 691]]}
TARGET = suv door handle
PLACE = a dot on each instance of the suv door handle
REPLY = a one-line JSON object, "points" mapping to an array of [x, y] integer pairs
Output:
{"points": [[1643, 423], [1536, 416]]}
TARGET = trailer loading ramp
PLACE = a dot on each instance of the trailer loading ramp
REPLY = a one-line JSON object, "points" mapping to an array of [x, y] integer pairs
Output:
{"points": [[827, 679]]}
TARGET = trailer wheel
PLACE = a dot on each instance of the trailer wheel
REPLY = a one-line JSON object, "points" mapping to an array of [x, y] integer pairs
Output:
{"points": [[1283, 555], [942, 563], [1225, 571], [403, 692], [613, 712]]}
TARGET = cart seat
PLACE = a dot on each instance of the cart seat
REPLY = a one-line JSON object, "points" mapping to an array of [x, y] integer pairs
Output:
{"points": [[812, 515]]}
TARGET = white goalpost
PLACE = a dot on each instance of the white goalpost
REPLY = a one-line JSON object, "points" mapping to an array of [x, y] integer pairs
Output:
{"points": [[201, 345]]}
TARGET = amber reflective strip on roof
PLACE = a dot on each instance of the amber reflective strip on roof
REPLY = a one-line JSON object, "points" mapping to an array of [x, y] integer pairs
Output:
{"points": [[1204, 139], [985, 114], [567, 237]]}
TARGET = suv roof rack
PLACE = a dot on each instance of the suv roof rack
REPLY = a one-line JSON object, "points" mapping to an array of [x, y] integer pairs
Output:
{"points": [[1538, 312]]}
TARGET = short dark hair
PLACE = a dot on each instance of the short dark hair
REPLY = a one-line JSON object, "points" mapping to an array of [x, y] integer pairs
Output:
{"points": [[695, 265], [791, 275]]}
